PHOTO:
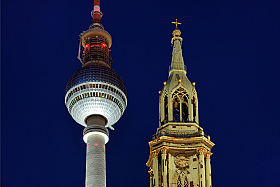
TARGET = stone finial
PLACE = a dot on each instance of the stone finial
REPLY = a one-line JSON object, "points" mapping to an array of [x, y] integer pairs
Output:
{"points": [[201, 150], [176, 32], [208, 154]]}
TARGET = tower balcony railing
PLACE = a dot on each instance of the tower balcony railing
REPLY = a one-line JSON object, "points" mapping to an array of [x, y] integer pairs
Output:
{"points": [[179, 134], [177, 67]]}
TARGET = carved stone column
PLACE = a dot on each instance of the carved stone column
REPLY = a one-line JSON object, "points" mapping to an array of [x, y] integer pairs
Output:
{"points": [[201, 167], [155, 168], [162, 110], [170, 108], [197, 118], [181, 109], [190, 110], [151, 177], [170, 169], [164, 166], [208, 169]]}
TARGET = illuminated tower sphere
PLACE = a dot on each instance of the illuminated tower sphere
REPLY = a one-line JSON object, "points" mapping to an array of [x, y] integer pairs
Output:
{"points": [[95, 96], [180, 151]]}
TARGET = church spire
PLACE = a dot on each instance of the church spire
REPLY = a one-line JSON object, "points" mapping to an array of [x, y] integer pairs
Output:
{"points": [[177, 63], [180, 151], [178, 99]]}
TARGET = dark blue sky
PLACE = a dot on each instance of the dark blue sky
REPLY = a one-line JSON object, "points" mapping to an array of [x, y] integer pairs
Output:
{"points": [[231, 50]]}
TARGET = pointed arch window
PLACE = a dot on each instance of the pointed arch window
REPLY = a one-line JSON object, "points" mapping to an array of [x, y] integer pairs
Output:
{"points": [[185, 109], [179, 182], [182, 180], [194, 109], [165, 109], [180, 105], [186, 183], [176, 109]]}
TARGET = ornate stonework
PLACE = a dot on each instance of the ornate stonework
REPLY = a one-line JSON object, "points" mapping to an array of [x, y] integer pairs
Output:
{"points": [[201, 150], [151, 173], [180, 151], [186, 153], [155, 154], [181, 161], [164, 150], [208, 154]]}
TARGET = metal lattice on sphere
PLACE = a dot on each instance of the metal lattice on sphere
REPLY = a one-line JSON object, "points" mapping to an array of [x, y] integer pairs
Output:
{"points": [[95, 89]]}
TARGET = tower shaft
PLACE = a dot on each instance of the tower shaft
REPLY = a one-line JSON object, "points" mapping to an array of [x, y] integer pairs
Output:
{"points": [[96, 136], [95, 161]]}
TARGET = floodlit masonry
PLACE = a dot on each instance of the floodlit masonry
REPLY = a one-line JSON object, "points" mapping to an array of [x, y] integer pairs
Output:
{"points": [[180, 151]]}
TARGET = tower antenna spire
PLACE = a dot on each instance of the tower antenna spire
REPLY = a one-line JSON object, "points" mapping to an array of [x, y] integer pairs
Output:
{"points": [[96, 13]]}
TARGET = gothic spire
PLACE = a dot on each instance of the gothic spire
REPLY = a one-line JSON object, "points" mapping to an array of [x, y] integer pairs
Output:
{"points": [[177, 63]]}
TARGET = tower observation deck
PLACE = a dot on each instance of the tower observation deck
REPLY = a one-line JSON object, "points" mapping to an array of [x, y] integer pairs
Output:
{"points": [[95, 96]]}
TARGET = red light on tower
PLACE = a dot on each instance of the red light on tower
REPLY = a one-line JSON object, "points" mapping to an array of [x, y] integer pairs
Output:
{"points": [[97, 2], [96, 13], [87, 47]]}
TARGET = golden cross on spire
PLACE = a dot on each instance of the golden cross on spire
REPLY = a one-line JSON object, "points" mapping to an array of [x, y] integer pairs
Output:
{"points": [[176, 23]]}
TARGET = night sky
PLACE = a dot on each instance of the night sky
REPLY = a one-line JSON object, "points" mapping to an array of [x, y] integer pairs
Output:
{"points": [[231, 50]]}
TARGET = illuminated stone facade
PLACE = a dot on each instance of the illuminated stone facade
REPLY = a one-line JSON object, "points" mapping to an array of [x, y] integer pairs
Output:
{"points": [[180, 151]]}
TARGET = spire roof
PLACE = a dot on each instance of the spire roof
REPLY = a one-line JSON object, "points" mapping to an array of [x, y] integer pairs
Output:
{"points": [[177, 63]]}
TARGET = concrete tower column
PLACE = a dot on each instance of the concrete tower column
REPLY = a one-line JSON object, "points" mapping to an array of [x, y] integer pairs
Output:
{"points": [[95, 136], [201, 167], [95, 161], [164, 166], [208, 169]]}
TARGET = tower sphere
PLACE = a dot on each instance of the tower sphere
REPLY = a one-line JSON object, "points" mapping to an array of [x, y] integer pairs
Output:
{"points": [[95, 96], [95, 89]]}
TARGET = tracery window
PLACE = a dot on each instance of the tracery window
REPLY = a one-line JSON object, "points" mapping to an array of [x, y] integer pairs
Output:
{"points": [[176, 109], [194, 109], [182, 180], [165, 109], [179, 182], [186, 184], [180, 105], [185, 109]]}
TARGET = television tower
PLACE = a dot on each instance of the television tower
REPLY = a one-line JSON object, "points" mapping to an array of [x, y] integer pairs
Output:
{"points": [[95, 96]]}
